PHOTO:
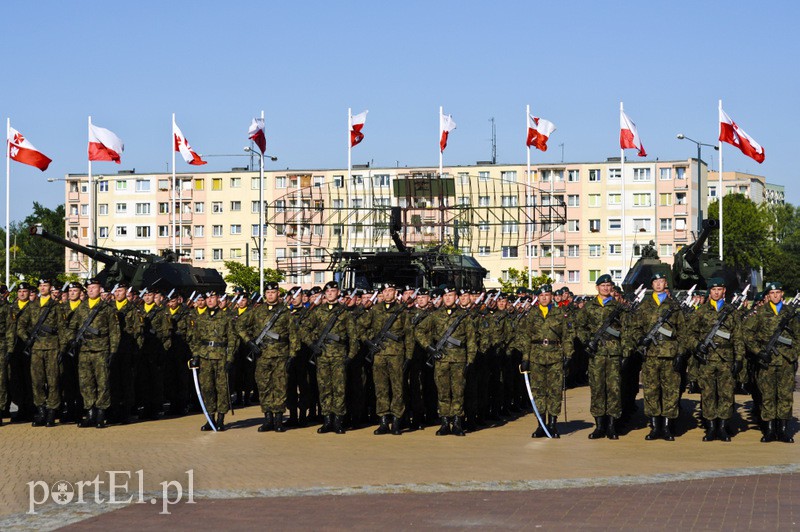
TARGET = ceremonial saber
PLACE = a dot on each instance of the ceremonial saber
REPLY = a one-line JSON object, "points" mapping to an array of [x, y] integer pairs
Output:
{"points": [[200, 397], [533, 403]]}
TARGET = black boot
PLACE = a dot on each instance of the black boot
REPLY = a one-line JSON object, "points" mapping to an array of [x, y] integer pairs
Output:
{"points": [[220, 422], [327, 424], [458, 430], [611, 430], [206, 427], [383, 428], [599, 428], [40, 417], [552, 426], [101, 418], [51, 418], [88, 418], [786, 436], [668, 436], [655, 430], [539, 432], [692, 387], [279, 422], [444, 430], [722, 430], [338, 427], [769, 433], [397, 426], [711, 430], [268, 423]]}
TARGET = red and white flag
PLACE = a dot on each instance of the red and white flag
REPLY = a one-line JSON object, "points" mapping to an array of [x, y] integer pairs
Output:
{"points": [[539, 130], [356, 125], [182, 146], [256, 134], [104, 145], [629, 136], [732, 134], [22, 151], [446, 125]]}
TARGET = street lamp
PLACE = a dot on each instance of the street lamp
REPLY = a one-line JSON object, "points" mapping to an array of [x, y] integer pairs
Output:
{"points": [[681, 136], [260, 211]]}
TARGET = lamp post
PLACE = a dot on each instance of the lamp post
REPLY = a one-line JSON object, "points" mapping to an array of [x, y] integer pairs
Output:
{"points": [[681, 136], [260, 213]]}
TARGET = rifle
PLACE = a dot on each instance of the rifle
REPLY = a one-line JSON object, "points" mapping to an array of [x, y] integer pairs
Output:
{"points": [[765, 356], [266, 332], [40, 326], [376, 344], [74, 346], [606, 326], [701, 351], [317, 347], [436, 350], [651, 338]]}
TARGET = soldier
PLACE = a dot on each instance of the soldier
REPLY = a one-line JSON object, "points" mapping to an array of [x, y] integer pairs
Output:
{"points": [[331, 332], [776, 373], [213, 341], [176, 377], [658, 327], [243, 371], [4, 326], [39, 328], [450, 337], [72, 402], [121, 369], [20, 386], [417, 379], [388, 334], [150, 362], [718, 364], [270, 334], [94, 333], [546, 345]]}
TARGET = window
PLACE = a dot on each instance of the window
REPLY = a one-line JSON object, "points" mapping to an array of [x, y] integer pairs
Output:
{"points": [[483, 176], [642, 224], [573, 250], [216, 183], [484, 251], [509, 176], [280, 253], [615, 199], [280, 205], [102, 209], [121, 185], [510, 252], [463, 178], [216, 230], [102, 186], [510, 228], [680, 224], [641, 174], [594, 250], [122, 230], [594, 200], [163, 184], [280, 182], [665, 224], [236, 253], [463, 201], [593, 275], [614, 224], [280, 230], [253, 183], [665, 249], [73, 210], [216, 254], [616, 274], [641, 200], [531, 250], [665, 200], [615, 249], [102, 232], [356, 203], [573, 200], [163, 207], [142, 208], [712, 192], [122, 208], [574, 276], [509, 201], [666, 174], [236, 206], [680, 198], [199, 231], [358, 179], [381, 180], [573, 176], [338, 181], [573, 226], [216, 207], [483, 201], [680, 172], [199, 207], [236, 182], [199, 254], [142, 185], [84, 209], [142, 231], [236, 229], [594, 226], [483, 226], [199, 184], [614, 173], [594, 176], [637, 250], [163, 231]]}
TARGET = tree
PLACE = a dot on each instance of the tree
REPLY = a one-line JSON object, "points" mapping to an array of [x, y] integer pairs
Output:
{"points": [[519, 279], [783, 261], [34, 257], [746, 237], [247, 276]]}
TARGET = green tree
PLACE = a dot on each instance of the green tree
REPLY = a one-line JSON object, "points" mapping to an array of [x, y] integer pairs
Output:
{"points": [[247, 276], [747, 237], [519, 279], [783, 261], [33, 257]]}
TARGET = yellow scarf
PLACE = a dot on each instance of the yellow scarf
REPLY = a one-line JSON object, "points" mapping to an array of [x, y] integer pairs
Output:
{"points": [[44, 300], [202, 310], [148, 308], [93, 302], [74, 304], [544, 310], [121, 304]]}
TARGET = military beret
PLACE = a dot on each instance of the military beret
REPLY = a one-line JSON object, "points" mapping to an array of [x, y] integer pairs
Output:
{"points": [[703, 293], [656, 276], [423, 292], [758, 297], [93, 280], [605, 278], [331, 284], [200, 295], [715, 282], [773, 285], [212, 293], [123, 284], [306, 292], [76, 284], [502, 295], [25, 286], [447, 289], [173, 294], [45, 280], [536, 292], [409, 288], [462, 291], [238, 290], [545, 288], [316, 289], [384, 286], [272, 285]]}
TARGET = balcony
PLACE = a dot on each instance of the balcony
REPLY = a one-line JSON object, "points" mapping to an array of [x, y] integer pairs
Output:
{"points": [[73, 219], [557, 262]]}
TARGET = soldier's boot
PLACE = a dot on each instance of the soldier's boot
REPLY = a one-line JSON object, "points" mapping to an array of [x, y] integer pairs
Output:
{"points": [[711, 430], [383, 428], [88, 418], [206, 427], [279, 422], [552, 426], [769, 432], [668, 436], [786, 436], [302, 418], [722, 430], [40, 417], [655, 430], [444, 430], [611, 430], [327, 424], [539, 432], [268, 423], [397, 426], [458, 429], [220, 422], [50, 420], [101, 418], [338, 425], [599, 428]]}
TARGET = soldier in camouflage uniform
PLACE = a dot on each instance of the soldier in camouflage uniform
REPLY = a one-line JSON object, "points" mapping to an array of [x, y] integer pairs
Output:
{"points": [[454, 360], [776, 375], [45, 373], [272, 353], [4, 325], [718, 366], [416, 379], [72, 401], [121, 370], [213, 341], [19, 364], [150, 362], [177, 379], [334, 355], [99, 343], [661, 377], [396, 349], [545, 340]]}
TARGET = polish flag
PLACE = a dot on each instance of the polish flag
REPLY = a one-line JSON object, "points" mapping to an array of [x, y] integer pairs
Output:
{"points": [[629, 136], [22, 151], [357, 124], [539, 130], [732, 134], [446, 125], [104, 145], [182, 145], [256, 134]]}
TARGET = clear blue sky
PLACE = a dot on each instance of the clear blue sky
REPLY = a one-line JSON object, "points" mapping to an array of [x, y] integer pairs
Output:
{"points": [[131, 64]]}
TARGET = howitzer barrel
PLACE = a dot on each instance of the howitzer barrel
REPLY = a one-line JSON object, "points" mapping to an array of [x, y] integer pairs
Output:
{"points": [[97, 255], [693, 250]]}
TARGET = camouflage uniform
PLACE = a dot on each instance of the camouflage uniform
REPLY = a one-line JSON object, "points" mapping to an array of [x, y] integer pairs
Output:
{"points": [[213, 340], [72, 401], [420, 391], [121, 370], [19, 365], [177, 380], [4, 326], [494, 337], [149, 365], [45, 376]]}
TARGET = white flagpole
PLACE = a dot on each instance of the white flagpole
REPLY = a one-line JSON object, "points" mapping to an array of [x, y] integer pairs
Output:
{"points": [[261, 219], [622, 172], [441, 114], [721, 194], [528, 196], [8, 201], [91, 206], [172, 194]]}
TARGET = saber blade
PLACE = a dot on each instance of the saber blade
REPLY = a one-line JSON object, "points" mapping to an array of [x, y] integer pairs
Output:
{"points": [[200, 397], [533, 403]]}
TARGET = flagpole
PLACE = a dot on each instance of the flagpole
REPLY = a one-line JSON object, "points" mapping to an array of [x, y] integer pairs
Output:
{"points": [[622, 176], [91, 205], [8, 201], [441, 111], [172, 193], [721, 194], [528, 196], [261, 220]]}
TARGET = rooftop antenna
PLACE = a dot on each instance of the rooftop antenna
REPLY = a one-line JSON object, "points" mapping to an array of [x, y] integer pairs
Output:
{"points": [[562, 151], [494, 141]]}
